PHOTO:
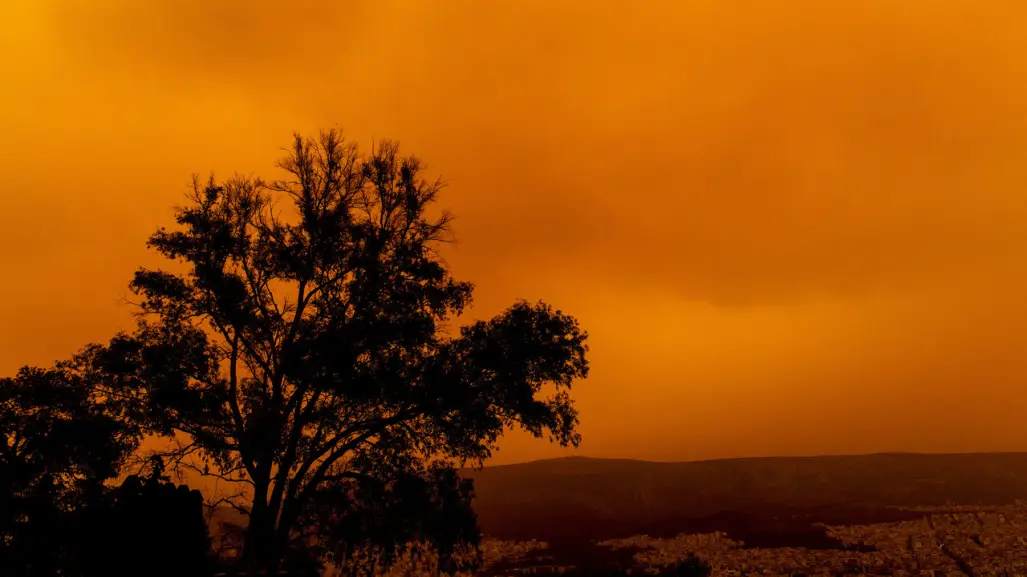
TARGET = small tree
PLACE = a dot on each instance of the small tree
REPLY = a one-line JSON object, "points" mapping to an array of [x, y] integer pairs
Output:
{"points": [[297, 353], [63, 441]]}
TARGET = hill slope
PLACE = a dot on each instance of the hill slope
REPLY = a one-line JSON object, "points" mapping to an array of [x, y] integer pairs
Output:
{"points": [[583, 498]]}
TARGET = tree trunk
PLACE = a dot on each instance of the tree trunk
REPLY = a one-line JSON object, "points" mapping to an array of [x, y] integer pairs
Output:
{"points": [[260, 549]]}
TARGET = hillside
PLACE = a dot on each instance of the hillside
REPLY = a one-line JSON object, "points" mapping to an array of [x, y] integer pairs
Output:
{"points": [[769, 501]]}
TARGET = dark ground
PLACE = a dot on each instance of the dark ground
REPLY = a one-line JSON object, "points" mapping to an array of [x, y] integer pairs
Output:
{"points": [[784, 527], [574, 503]]}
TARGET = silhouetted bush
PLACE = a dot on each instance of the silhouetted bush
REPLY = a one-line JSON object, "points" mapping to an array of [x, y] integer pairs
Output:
{"points": [[145, 526], [433, 507]]}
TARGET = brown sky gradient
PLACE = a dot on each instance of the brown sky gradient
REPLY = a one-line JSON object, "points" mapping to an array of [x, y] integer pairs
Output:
{"points": [[790, 227]]}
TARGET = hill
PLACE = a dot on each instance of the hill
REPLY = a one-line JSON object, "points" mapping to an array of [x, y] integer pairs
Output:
{"points": [[762, 501]]}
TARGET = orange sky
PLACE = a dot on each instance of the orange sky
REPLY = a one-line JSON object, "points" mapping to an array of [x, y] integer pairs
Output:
{"points": [[790, 228]]}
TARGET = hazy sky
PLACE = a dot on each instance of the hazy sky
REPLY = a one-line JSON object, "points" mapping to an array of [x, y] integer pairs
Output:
{"points": [[790, 227]]}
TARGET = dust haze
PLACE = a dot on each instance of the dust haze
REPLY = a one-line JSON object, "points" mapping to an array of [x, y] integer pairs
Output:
{"points": [[788, 228]]}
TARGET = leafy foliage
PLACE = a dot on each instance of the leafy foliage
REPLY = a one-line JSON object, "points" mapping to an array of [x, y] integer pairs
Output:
{"points": [[62, 441], [309, 354], [383, 516]]}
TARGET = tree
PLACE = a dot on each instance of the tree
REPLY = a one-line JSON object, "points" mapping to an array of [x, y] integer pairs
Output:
{"points": [[63, 440], [312, 350]]}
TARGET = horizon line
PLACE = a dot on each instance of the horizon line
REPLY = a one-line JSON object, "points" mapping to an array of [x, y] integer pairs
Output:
{"points": [[753, 458]]}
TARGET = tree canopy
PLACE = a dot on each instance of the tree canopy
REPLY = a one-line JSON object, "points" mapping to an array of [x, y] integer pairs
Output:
{"points": [[308, 352]]}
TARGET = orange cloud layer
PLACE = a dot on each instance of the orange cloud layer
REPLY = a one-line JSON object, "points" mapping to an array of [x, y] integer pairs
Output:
{"points": [[790, 229]]}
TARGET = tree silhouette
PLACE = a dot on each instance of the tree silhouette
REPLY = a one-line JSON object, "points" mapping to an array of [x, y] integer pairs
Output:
{"points": [[310, 350], [62, 441]]}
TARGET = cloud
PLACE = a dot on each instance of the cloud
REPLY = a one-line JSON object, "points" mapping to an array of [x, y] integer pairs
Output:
{"points": [[813, 212], [742, 156]]}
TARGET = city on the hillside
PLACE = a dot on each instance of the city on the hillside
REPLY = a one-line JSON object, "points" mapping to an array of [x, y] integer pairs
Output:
{"points": [[975, 541]]}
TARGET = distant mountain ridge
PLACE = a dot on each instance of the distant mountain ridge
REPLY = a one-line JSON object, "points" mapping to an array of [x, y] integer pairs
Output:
{"points": [[580, 497]]}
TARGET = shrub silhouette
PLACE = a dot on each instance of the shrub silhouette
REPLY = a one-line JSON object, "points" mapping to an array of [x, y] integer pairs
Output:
{"points": [[433, 508], [145, 526]]}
